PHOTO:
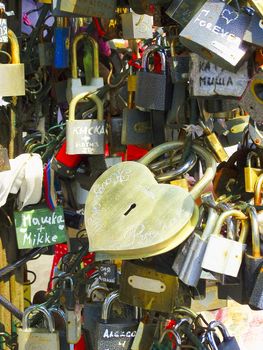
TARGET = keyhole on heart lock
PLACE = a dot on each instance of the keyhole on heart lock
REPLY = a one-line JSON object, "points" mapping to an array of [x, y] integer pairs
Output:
{"points": [[130, 209]]}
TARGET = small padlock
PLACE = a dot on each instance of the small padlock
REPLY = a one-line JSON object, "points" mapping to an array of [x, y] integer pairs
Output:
{"points": [[251, 174], [13, 73], [74, 86], [224, 255], [45, 48], [85, 136], [38, 338], [136, 26], [228, 343], [188, 262], [114, 335], [153, 90], [62, 43], [216, 33], [252, 100]]}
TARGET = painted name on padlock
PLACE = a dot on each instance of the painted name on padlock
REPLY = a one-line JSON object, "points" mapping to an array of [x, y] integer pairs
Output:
{"points": [[118, 334], [217, 29], [93, 130]]}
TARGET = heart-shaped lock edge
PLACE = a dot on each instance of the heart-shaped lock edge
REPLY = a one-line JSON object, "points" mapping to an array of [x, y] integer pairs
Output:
{"points": [[131, 178]]}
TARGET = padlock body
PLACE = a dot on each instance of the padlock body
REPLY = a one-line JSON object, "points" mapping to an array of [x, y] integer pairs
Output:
{"points": [[256, 298], [37, 339], [46, 54], [12, 80], [73, 329], [182, 11], [152, 91], [61, 58], [136, 127], [223, 256], [250, 271], [116, 336], [229, 343], [251, 176], [216, 33], [115, 131], [75, 87], [85, 136], [252, 101], [191, 268], [179, 68], [135, 26]]}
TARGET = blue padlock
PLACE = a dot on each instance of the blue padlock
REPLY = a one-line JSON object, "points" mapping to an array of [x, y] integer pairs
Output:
{"points": [[62, 44]]}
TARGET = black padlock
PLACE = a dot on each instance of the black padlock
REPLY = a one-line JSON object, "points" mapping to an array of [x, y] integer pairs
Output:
{"points": [[228, 343], [114, 335], [256, 298]]}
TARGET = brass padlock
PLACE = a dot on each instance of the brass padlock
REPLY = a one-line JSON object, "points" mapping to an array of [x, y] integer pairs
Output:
{"points": [[74, 86], [12, 74], [38, 338], [85, 136], [252, 173]]}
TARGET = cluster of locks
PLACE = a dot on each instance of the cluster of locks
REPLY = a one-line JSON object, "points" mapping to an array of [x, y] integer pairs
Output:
{"points": [[131, 154]]}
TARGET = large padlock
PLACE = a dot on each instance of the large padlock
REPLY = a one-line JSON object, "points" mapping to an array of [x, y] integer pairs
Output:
{"points": [[224, 255], [85, 136], [216, 33], [251, 174], [188, 262], [75, 86], [45, 48], [137, 234], [136, 26], [153, 90], [114, 335], [254, 32], [62, 43], [228, 343], [12, 74], [253, 260], [144, 287], [182, 11], [38, 338], [252, 100], [209, 80]]}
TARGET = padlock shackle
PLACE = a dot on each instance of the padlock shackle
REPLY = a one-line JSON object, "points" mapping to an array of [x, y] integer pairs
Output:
{"points": [[176, 336], [148, 51], [59, 312], [70, 279], [45, 312], [107, 304], [210, 224], [74, 64], [14, 45], [223, 330], [210, 163], [252, 155], [222, 218], [258, 189], [78, 98], [252, 213]]}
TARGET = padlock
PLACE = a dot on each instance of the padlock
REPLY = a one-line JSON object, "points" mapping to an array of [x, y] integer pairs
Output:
{"points": [[188, 262], [251, 174], [134, 235], [252, 100], [136, 26], [257, 5], [254, 32], [228, 343], [153, 90], [216, 33], [114, 335], [224, 255], [4, 159], [253, 260], [85, 136], [38, 338], [62, 43], [182, 11], [136, 125], [256, 298], [144, 287], [13, 73], [64, 345], [74, 86], [45, 48], [144, 336], [206, 79]]}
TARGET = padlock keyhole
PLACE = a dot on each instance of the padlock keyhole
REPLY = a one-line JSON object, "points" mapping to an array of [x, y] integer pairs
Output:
{"points": [[259, 91], [133, 206]]}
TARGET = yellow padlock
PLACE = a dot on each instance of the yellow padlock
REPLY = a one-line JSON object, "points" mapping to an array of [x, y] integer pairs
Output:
{"points": [[251, 174]]}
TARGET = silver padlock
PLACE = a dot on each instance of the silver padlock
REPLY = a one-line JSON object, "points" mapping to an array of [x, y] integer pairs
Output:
{"points": [[38, 338], [224, 255], [228, 341], [74, 85], [85, 136], [188, 265], [136, 26]]}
